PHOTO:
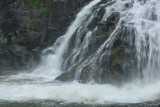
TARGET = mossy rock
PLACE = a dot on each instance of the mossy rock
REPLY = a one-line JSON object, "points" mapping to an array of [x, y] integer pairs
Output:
{"points": [[66, 77]]}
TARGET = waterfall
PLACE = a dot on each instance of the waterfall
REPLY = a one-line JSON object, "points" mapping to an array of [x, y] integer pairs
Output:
{"points": [[52, 62], [88, 51], [110, 54], [136, 26]]}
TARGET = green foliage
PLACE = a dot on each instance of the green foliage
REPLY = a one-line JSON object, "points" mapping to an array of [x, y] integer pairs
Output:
{"points": [[21, 36], [46, 14], [42, 5], [30, 27], [34, 3], [3, 40]]}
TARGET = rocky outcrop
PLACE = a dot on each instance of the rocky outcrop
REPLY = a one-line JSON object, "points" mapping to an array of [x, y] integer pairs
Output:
{"points": [[63, 13], [28, 26], [110, 63]]}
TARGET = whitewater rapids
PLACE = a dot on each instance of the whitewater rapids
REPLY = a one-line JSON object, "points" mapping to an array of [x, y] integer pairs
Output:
{"points": [[12, 90]]}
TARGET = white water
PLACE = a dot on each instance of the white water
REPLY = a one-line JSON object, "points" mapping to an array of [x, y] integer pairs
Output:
{"points": [[33, 86], [50, 67], [79, 93]]}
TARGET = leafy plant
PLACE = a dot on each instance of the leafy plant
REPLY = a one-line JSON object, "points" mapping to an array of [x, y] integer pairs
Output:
{"points": [[34, 3], [46, 14]]}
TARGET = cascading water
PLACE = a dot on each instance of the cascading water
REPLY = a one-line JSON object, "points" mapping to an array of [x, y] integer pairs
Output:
{"points": [[52, 62], [138, 25], [113, 42]]}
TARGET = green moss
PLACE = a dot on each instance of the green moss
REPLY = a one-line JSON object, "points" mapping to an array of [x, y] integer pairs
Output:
{"points": [[34, 3], [46, 14], [30, 27], [21, 36], [42, 5], [3, 40]]}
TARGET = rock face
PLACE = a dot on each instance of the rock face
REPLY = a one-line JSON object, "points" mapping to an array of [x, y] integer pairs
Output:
{"points": [[62, 14], [105, 56], [28, 26]]}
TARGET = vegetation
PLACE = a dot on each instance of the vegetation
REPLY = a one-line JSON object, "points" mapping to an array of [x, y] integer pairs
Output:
{"points": [[34, 3], [30, 27], [42, 5], [46, 14], [3, 40], [21, 36]]}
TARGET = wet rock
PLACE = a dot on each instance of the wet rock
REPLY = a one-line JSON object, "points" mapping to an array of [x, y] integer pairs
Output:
{"points": [[33, 28], [66, 77], [97, 18], [61, 19], [109, 25], [30, 39], [85, 75]]}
